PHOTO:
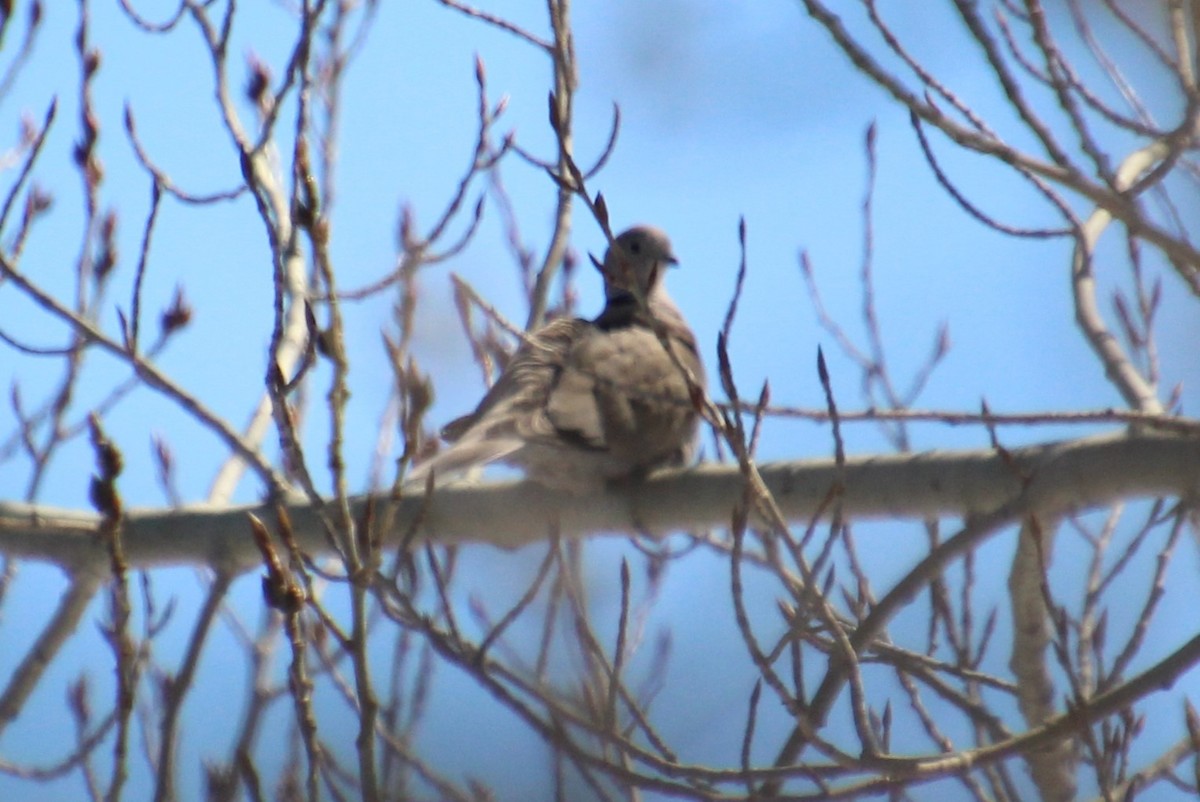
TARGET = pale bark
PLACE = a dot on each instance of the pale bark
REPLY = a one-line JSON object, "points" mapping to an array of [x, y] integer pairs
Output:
{"points": [[1055, 478]]}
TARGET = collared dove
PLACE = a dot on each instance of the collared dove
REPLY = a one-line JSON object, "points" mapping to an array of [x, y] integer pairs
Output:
{"points": [[586, 402]]}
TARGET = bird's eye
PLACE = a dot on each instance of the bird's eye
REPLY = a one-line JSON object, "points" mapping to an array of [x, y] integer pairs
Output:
{"points": [[635, 246]]}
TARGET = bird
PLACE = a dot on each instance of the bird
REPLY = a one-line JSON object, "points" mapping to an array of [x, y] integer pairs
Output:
{"points": [[584, 404]]}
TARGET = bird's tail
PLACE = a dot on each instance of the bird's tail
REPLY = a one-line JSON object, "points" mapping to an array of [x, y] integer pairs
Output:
{"points": [[450, 464]]}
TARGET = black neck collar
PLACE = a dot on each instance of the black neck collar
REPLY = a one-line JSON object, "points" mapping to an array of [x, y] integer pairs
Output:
{"points": [[621, 311]]}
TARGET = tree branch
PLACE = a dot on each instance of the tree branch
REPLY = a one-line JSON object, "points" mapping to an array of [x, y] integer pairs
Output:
{"points": [[1058, 477]]}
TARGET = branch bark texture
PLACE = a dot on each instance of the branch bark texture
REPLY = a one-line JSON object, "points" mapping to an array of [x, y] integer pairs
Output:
{"points": [[1060, 477]]}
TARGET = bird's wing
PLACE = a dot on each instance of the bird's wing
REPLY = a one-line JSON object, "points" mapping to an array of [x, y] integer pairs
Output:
{"points": [[512, 411], [527, 379]]}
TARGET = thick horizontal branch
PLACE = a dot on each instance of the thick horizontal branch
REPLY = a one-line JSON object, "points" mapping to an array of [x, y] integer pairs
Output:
{"points": [[1056, 477]]}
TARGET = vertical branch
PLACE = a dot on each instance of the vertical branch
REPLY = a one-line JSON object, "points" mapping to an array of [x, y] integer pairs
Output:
{"points": [[1053, 768], [175, 688], [1137, 392], [284, 594], [105, 498], [91, 171], [258, 165], [562, 55]]}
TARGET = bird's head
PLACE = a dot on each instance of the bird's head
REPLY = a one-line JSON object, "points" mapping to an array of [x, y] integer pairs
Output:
{"points": [[635, 262]]}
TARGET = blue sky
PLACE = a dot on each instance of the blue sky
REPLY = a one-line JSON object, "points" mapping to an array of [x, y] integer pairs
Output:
{"points": [[727, 112]]}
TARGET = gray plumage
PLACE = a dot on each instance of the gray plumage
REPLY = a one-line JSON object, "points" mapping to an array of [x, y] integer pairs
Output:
{"points": [[586, 402]]}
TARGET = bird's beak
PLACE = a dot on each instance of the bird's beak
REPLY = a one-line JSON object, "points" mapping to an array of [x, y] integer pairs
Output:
{"points": [[671, 260]]}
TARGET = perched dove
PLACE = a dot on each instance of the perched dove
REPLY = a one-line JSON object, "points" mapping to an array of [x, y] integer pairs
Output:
{"points": [[586, 402]]}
